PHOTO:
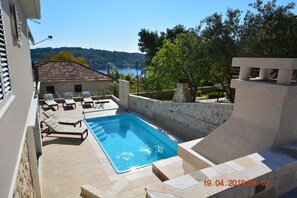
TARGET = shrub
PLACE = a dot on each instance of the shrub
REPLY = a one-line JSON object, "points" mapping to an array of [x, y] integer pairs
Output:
{"points": [[213, 95], [116, 90]]}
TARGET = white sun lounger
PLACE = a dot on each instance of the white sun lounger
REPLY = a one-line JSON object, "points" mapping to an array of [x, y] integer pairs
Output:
{"points": [[68, 99], [62, 120], [49, 101], [87, 98], [56, 128]]}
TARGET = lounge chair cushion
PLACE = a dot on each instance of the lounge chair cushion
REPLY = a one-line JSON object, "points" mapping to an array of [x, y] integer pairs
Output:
{"points": [[57, 128], [86, 94], [50, 113], [53, 124], [87, 97], [69, 101], [69, 98], [48, 97], [49, 100], [62, 120], [88, 100], [73, 121]]}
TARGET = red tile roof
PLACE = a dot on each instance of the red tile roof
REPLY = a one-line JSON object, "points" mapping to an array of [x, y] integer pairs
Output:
{"points": [[62, 71]]}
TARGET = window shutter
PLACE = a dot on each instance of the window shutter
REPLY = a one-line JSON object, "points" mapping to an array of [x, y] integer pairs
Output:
{"points": [[1, 92], [5, 85]]}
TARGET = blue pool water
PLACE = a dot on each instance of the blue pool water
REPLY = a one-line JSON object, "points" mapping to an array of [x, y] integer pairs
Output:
{"points": [[129, 142]]}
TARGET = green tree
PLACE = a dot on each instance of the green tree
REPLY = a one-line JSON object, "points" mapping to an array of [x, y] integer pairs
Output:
{"points": [[151, 42], [269, 31], [184, 57], [164, 69], [67, 56], [148, 43], [116, 74], [221, 35]]}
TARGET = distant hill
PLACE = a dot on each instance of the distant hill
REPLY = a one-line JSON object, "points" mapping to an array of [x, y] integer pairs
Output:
{"points": [[97, 59]]}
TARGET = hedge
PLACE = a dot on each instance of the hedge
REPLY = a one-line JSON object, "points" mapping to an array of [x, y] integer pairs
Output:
{"points": [[213, 95]]}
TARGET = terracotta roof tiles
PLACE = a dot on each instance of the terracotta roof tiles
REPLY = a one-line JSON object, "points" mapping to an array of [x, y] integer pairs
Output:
{"points": [[62, 71]]}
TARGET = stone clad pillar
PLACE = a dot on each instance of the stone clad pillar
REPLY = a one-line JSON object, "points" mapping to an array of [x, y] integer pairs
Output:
{"points": [[182, 93], [124, 92]]}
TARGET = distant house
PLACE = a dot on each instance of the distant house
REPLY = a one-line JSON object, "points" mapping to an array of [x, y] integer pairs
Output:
{"points": [[58, 77], [20, 141]]}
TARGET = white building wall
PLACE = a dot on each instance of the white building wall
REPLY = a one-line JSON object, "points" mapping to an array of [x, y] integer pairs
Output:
{"points": [[13, 120], [62, 87]]}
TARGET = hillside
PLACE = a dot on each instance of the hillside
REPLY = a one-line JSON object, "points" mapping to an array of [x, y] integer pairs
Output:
{"points": [[97, 59]]}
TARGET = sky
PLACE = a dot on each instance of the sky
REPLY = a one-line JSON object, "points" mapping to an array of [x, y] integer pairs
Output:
{"points": [[113, 25]]}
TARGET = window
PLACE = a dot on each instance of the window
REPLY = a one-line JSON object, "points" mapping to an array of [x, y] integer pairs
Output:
{"points": [[5, 84], [16, 24], [77, 88], [50, 89]]}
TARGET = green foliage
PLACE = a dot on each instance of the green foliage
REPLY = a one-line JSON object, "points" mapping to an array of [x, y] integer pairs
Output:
{"points": [[213, 95], [128, 77], [104, 89], [183, 57], [269, 31], [164, 70], [222, 37], [67, 56], [151, 42], [116, 74], [116, 89], [97, 59]]}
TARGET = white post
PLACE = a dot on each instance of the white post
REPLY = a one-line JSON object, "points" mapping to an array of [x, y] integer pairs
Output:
{"points": [[124, 91], [244, 73], [284, 76], [264, 73]]}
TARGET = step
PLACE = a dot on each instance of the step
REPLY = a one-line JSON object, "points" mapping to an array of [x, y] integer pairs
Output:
{"points": [[172, 167], [103, 137], [92, 124], [99, 132], [96, 127]]}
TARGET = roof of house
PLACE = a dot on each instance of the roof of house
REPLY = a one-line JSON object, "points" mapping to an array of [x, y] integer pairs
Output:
{"points": [[66, 71]]}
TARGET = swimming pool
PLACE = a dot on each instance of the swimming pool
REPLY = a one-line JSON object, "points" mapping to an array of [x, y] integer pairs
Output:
{"points": [[129, 142]]}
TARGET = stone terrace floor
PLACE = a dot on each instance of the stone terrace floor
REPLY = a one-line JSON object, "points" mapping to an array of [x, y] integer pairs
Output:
{"points": [[68, 163]]}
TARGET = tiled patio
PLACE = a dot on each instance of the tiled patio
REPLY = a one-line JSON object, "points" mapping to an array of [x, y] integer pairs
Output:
{"points": [[68, 163]]}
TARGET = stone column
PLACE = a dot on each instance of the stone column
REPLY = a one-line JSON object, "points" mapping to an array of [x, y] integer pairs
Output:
{"points": [[244, 73], [124, 92], [182, 93], [284, 76], [264, 73]]}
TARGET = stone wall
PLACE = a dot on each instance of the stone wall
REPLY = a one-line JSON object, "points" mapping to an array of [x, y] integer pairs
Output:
{"points": [[191, 119], [159, 95], [168, 94], [24, 182]]}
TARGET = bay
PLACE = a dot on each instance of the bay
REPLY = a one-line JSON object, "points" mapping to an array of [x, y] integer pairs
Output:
{"points": [[124, 71]]}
